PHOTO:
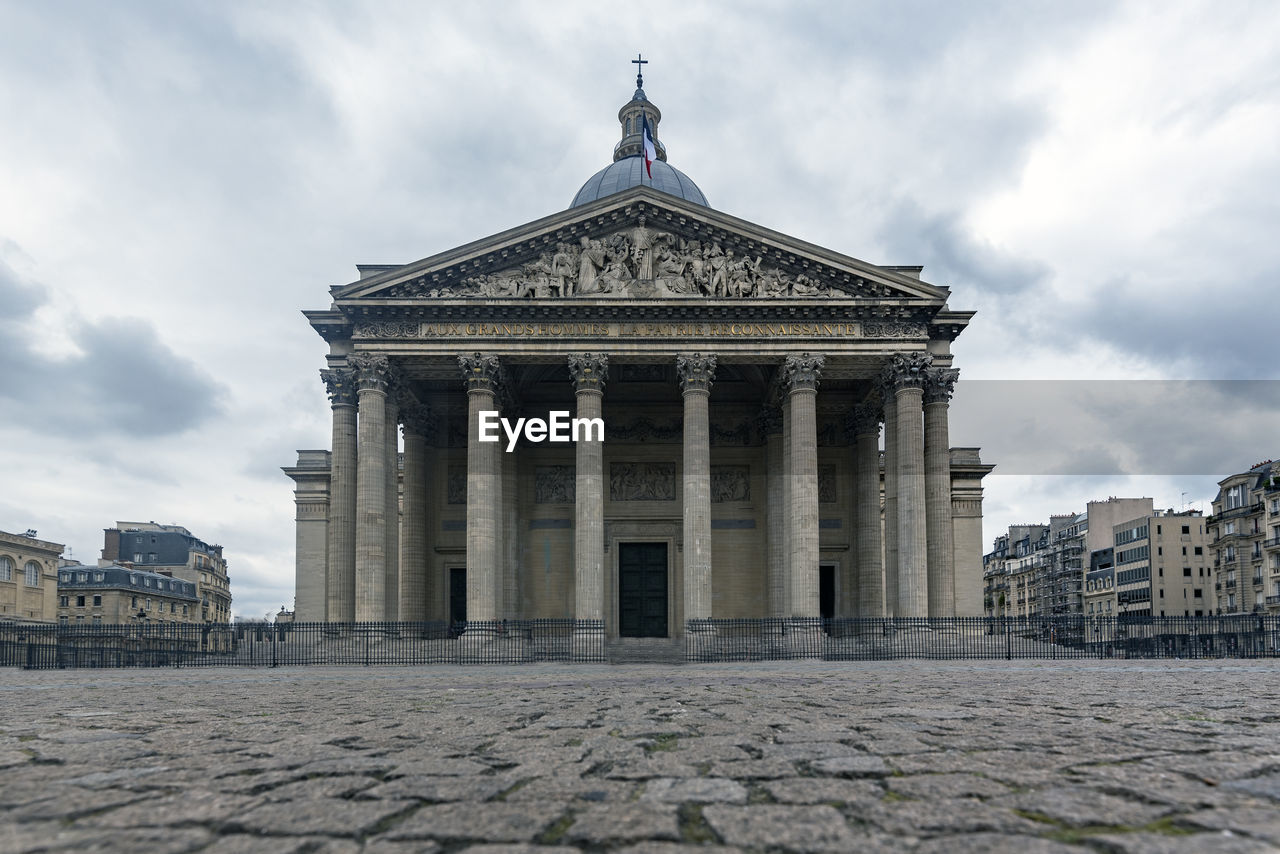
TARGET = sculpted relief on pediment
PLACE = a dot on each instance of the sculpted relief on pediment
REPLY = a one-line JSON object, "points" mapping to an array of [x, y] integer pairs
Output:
{"points": [[637, 263]]}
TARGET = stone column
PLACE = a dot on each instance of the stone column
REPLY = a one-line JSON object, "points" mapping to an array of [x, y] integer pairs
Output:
{"points": [[939, 386], [510, 556], [419, 425], [906, 373], [589, 372], [391, 586], [775, 512], [696, 373], [891, 608], [482, 374], [340, 574], [800, 375], [870, 568], [371, 487]]}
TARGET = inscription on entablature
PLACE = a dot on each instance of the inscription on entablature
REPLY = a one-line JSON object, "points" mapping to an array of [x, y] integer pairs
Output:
{"points": [[521, 330]]}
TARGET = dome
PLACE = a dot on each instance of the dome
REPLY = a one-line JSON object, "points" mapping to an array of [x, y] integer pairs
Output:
{"points": [[629, 172], [627, 169]]}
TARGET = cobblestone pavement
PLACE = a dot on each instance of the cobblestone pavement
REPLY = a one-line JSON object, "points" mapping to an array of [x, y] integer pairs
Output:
{"points": [[886, 756]]}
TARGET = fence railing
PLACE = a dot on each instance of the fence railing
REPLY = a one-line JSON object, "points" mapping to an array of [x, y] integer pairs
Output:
{"points": [[1246, 636], [41, 646], [46, 646]]}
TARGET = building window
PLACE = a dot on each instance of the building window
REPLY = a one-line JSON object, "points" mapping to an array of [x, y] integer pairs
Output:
{"points": [[64, 601], [184, 610], [1186, 529], [1186, 572], [33, 574], [99, 576], [1199, 550], [62, 620], [137, 557], [79, 601], [6, 568], [148, 603], [97, 601], [97, 620], [151, 557], [83, 576], [134, 602]]}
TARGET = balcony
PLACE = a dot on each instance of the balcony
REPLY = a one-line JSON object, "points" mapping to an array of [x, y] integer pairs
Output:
{"points": [[1231, 585], [1273, 543], [1257, 581], [1235, 513], [1273, 600]]}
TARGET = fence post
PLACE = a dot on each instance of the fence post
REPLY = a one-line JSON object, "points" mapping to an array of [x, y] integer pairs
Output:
{"points": [[1008, 641]]}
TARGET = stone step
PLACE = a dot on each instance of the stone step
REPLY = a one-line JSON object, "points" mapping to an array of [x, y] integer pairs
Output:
{"points": [[644, 651]]}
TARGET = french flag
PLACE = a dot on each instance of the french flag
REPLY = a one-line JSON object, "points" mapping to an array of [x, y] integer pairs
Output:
{"points": [[650, 153]]}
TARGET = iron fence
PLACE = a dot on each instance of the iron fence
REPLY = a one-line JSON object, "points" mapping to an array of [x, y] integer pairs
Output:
{"points": [[1242, 636], [46, 646]]}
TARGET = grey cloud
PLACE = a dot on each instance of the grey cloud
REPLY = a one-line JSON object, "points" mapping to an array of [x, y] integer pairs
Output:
{"points": [[1119, 427], [954, 257], [18, 299], [117, 378]]}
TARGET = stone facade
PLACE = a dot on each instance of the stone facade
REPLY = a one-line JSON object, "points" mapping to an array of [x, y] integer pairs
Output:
{"points": [[742, 375], [28, 577], [112, 594], [173, 550], [1244, 535]]}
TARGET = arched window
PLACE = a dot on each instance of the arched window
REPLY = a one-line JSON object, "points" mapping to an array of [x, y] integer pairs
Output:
{"points": [[628, 124], [6, 568], [33, 574]]}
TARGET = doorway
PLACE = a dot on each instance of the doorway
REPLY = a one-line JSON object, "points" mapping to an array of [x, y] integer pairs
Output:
{"points": [[826, 591], [642, 590], [457, 600]]}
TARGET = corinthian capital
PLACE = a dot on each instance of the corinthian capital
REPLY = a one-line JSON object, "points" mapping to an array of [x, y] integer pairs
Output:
{"points": [[419, 419], [696, 371], [482, 372], [340, 384], [863, 419], [589, 370], [373, 372], [940, 384], [802, 371], [904, 370]]}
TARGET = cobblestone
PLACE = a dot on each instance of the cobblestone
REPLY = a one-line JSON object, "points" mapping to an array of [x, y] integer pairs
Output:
{"points": [[908, 756]]}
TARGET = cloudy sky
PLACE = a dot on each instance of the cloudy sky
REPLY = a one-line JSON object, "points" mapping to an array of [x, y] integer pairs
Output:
{"points": [[1098, 180]]}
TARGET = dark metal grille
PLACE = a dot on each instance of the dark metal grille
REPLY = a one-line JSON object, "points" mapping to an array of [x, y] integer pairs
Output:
{"points": [[44, 646]]}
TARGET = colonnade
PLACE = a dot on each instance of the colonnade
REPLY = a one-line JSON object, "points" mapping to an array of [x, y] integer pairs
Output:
{"points": [[902, 564]]}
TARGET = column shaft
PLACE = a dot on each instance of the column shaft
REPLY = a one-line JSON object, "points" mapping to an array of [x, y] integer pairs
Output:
{"points": [[696, 372], [937, 473], [391, 586], [340, 581], [416, 510], [870, 567], [588, 535], [511, 608], [913, 579], [482, 518], [891, 505], [371, 492], [775, 511], [801, 373]]}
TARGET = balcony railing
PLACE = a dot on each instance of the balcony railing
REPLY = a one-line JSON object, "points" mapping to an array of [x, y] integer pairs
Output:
{"points": [[1257, 581], [1235, 512], [1273, 543], [1273, 600], [1231, 585]]}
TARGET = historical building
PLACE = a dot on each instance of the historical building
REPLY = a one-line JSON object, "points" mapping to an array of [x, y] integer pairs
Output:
{"points": [[1157, 567], [743, 376], [1244, 531], [1043, 570], [28, 577], [173, 550], [112, 594]]}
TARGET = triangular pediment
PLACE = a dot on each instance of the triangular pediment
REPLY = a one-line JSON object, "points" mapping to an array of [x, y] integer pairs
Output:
{"points": [[639, 245]]}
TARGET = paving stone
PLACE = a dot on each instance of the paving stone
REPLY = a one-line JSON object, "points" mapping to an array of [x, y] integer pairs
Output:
{"points": [[499, 848], [1162, 843], [676, 848], [1259, 822], [795, 828], [331, 816], [488, 822], [995, 843], [698, 790], [576, 790], [861, 765], [1081, 807], [946, 815], [818, 790], [1265, 786], [245, 844], [930, 786], [755, 769], [597, 825], [439, 789]]}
